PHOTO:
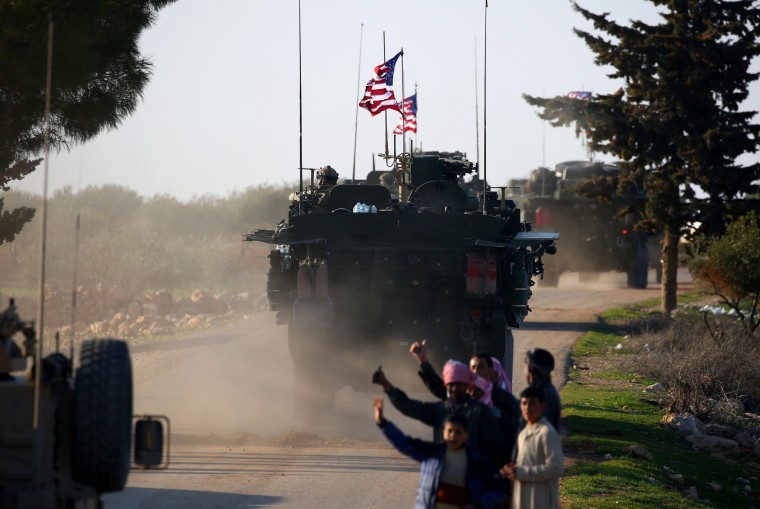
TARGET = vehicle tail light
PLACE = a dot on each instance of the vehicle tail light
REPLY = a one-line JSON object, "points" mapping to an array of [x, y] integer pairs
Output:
{"points": [[474, 277], [491, 273], [543, 217]]}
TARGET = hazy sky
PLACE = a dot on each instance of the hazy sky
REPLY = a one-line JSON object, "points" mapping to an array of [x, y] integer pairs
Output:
{"points": [[221, 110]]}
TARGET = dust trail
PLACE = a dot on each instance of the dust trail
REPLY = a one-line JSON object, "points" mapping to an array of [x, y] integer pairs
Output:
{"points": [[240, 380]]}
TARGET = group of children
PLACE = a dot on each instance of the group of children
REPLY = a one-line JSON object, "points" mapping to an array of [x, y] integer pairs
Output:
{"points": [[489, 449]]}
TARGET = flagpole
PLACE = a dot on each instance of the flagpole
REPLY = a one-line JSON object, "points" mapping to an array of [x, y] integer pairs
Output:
{"points": [[358, 91], [403, 98], [385, 113], [300, 118], [485, 92], [403, 131]]}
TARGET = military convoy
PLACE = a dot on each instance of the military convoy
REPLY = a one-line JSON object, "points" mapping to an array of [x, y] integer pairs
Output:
{"points": [[66, 435], [595, 238], [359, 271]]}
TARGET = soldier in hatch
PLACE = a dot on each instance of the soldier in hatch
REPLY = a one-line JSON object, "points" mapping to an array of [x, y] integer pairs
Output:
{"points": [[327, 178], [388, 181]]}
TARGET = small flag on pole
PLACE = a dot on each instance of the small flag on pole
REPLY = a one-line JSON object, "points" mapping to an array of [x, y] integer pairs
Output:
{"points": [[378, 95], [579, 94], [408, 122]]}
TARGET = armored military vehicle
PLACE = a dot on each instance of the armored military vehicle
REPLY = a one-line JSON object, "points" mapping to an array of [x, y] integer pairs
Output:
{"points": [[595, 238], [358, 274], [65, 436]]}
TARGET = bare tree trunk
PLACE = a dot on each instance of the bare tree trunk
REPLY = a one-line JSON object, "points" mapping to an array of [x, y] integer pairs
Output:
{"points": [[669, 271]]}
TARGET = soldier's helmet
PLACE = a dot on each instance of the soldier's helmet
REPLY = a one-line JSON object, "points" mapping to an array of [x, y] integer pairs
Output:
{"points": [[387, 179], [327, 175]]}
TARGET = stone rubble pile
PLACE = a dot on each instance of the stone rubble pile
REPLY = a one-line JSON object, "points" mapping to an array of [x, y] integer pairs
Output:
{"points": [[719, 440], [113, 312]]}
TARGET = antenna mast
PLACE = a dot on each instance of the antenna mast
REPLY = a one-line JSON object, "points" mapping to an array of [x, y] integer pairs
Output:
{"points": [[300, 116], [477, 122], [43, 250], [358, 91], [485, 91]]}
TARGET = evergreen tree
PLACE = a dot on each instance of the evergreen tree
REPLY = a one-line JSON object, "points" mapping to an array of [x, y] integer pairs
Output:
{"points": [[98, 77], [676, 124]]}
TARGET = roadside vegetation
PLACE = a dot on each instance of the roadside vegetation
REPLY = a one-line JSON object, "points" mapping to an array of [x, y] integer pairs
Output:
{"points": [[632, 371], [140, 244]]}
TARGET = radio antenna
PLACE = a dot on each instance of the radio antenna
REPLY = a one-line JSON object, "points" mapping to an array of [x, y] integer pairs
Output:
{"points": [[358, 91], [477, 122], [485, 109], [43, 248], [300, 118]]}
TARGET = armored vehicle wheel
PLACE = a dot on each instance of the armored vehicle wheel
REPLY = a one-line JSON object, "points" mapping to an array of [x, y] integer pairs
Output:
{"points": [[508, 359], [550, 279], [499, 335], [313, 374], [102, 415], [638, 273]]}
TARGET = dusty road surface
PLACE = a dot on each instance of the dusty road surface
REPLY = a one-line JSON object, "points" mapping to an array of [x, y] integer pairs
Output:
{"points": [[238, 445]]}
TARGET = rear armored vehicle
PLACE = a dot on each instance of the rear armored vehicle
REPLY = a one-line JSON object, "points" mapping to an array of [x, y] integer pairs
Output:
{"points": [[359, 271], [595, 238]]}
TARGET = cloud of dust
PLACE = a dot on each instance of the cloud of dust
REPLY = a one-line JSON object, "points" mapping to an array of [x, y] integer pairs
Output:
{"points": [[240, 380]]}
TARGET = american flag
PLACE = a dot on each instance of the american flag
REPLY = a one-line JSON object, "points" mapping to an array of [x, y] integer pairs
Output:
{"points": [[408, 122], [579, 94], [378, 95]]}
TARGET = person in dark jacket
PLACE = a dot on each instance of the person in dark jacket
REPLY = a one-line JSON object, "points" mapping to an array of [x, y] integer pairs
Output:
{"points": [[483, 426], [453, 475], [539, 365], [481, 364]]}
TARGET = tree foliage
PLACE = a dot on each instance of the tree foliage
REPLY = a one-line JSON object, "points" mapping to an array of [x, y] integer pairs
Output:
{"points": [[676, 124], [728, 267], [98, 76], [140, 243]]}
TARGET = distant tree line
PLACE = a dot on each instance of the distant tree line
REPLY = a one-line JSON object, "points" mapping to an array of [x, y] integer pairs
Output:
{"points": [[143, 243]]}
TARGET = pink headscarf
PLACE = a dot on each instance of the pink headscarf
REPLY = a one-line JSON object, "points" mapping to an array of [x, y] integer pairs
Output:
{"points": [[455, 371], [502, 380], [485, 386]]}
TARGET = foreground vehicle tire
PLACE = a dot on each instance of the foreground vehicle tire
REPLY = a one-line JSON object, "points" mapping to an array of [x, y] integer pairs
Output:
{"points": [[102, 423]]}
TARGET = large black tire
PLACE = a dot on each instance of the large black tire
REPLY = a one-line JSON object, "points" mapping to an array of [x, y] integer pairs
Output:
{"points": [[508, 359], [499, 329], [550, 279], [102, 424], [638, 273], [314, 383]]}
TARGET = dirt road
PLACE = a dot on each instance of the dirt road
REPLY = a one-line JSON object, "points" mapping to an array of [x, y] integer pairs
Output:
{"points": [[228, 394]]}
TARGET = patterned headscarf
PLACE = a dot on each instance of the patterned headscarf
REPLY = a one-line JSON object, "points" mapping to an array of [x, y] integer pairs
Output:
{"points": [[455, 371], [487, 388], [502, 380]]}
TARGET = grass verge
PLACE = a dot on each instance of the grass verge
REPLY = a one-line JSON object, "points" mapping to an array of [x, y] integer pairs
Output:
{"points": [[606, 410]]}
